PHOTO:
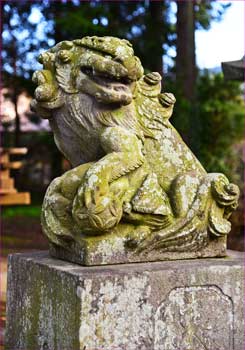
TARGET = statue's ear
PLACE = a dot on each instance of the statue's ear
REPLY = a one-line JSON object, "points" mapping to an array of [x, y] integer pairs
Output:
{"points": [[44, 107], [47, 88]]}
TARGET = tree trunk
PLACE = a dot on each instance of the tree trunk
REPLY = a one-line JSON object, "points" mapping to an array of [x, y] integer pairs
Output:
{"points": [[17, 120], [185, 59], [56, 163], [58, 10], [1, 16], [154, 37], [15, 100]]}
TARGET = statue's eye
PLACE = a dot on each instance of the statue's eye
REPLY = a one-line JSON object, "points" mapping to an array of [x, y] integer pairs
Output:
{"points": [[64, 56]]}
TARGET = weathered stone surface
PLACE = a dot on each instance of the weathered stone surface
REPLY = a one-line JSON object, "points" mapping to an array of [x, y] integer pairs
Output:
{"points": [[187, 305], [105, 250], [134, 182]]}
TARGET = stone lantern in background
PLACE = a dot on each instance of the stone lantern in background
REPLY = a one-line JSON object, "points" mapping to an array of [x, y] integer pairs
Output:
{"points": [[234, 70]]}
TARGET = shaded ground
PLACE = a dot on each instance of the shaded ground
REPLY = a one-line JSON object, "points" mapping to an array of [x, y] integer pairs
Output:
{"points": [[19, 234], [235, 240]]}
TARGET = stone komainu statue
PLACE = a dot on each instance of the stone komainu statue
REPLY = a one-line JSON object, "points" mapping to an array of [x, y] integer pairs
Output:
{"points": [[136, 191]]}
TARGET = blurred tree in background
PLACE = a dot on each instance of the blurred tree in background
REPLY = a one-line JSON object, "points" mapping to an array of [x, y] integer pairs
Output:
{"points": [[222, 119]]}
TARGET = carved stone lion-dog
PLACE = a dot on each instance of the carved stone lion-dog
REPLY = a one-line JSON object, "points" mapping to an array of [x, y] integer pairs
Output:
{"points": [[133, 180]]}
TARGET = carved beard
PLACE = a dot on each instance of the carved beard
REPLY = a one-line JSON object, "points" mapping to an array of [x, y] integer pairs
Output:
{"points": [[75, 129], [77, 126], [91, 116]]}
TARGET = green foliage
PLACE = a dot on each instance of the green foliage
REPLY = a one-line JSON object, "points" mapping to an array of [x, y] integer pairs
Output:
{"points": [[145, 24], [21, 211], [221, 114], [22, 37], [182, 110], [207, 11], [215, 124]]}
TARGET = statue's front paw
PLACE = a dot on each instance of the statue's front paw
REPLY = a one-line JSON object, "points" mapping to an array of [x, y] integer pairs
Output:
{"points": [[97, 206]]}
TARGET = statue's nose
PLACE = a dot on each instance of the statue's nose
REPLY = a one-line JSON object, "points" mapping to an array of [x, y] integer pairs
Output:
{"points": [[103, 65]]}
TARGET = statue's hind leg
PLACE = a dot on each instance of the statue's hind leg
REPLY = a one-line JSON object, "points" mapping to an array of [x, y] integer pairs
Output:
{"points": [[57, 221], [182, 193]]}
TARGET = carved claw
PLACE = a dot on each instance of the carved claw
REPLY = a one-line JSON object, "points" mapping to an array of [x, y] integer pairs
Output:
{"points": [[151, 220], [137, 236]]}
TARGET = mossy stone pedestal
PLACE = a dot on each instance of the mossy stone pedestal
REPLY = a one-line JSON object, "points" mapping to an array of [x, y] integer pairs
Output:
{"points": [[104, 250], [189, 304]]}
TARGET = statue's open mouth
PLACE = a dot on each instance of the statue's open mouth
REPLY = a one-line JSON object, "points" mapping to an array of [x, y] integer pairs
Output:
{"points": [[110, 89]]}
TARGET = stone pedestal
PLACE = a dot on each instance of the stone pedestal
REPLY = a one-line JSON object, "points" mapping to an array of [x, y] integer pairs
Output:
{"points": [[104, 250], [177, 305]]}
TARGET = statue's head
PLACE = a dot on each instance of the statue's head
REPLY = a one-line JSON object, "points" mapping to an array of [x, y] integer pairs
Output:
{"points": [[102, 67]]}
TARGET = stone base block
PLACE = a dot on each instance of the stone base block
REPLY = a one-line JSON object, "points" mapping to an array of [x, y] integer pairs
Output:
{"points": [[104, 250], [171, 305]]}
